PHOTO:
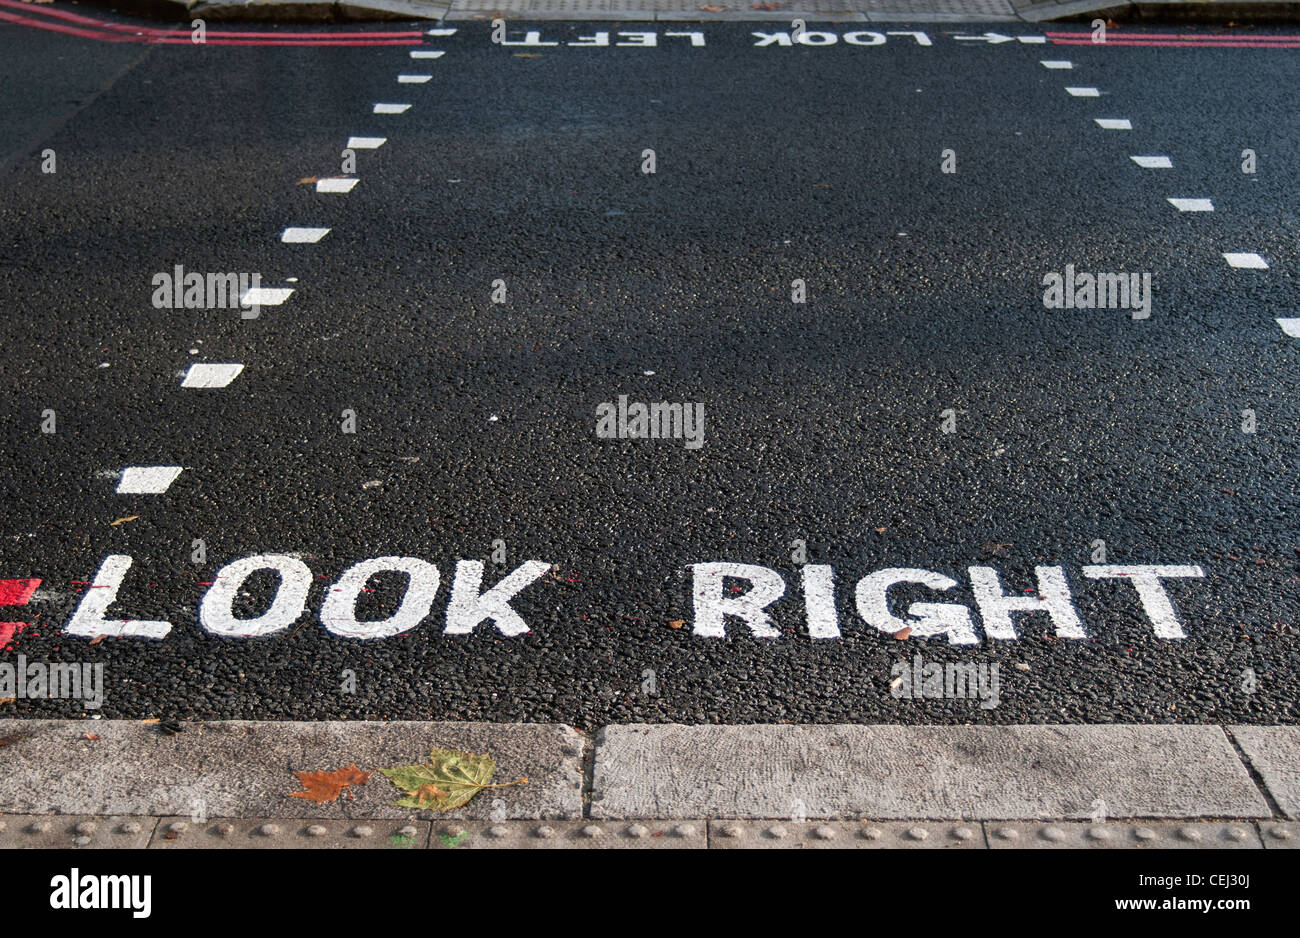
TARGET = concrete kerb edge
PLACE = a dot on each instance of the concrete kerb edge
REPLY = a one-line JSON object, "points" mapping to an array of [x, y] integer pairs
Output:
{"points": [[354, 11], [588, 776]]}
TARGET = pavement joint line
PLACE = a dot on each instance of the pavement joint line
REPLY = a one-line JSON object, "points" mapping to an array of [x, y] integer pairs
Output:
{"points": [[1255, 775]]}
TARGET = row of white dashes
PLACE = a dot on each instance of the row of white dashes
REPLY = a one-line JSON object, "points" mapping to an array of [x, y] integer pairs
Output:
{"points": [[1245, 260], [154, 480]]}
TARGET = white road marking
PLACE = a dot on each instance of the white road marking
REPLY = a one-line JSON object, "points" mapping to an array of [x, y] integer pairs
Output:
{"points": [[1056, 63], [338, 612], [1153, 162], [265, 296], [366, 143], [426, 54], [1192, 205], [1151, 592], [1034, 40], [1113, 123], [91, 618], [216, 611], [211, 375], [413, 79], [1247, 260], [1083, 92], [392, 108], [335, 185], [440, 31], [147, 480], [1291, 327], [303, 235]]}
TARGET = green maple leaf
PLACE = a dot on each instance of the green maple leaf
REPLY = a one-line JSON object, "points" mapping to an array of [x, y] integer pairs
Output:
{"points": [[448, 780]]}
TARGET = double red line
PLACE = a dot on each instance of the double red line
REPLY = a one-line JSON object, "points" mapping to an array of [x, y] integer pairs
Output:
{"points": [[1182, 41], [73, 24]]}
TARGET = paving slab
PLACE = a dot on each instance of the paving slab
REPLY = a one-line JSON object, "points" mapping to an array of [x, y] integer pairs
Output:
{"points": [[245, 768], [1274, 752], [921, 772], [37, 831]]}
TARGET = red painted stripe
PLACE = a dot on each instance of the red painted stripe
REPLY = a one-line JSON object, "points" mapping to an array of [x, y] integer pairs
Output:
{"points": [[1189, 37], [17, 592], [1181, 45], [67, 30], [164, 41], [151, 31]]}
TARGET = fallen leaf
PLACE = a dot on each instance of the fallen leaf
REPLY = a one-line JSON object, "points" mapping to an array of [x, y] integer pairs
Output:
{"points": [[903, 634], [152, 720], [676, 623], [97, 639], [880, 530], [307, 180], [91, 736], [5, 700], [113, 524], [448, 780], [324, 787]]}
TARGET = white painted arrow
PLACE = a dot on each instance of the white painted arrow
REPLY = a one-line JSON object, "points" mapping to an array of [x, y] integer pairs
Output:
{"points": [[991, 38]]}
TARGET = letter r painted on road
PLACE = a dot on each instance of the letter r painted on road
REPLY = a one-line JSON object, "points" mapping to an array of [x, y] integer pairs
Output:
{"points": [[712, 606]]}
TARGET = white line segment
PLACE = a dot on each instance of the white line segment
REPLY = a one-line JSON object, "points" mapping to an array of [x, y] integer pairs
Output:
{"points": [[211, 375], [147, 480], [303, 235]]}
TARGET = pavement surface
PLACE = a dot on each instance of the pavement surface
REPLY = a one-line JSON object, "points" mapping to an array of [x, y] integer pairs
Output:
{"points": [[921, 437]]}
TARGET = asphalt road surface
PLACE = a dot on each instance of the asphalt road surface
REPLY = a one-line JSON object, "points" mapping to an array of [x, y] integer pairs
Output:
{"points": [[924, 428]]}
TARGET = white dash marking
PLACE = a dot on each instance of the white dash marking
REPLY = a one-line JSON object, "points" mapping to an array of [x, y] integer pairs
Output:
{"points": [[1083, 92], [413, 79], [303, 235], [392, 108], [440, 31], [1192, 205], [1248, 260], [426, 54], [1291, 327], [1114, 123], [211, 375], [1056, 63], [1153, 162], [335, 185], [147, 480], [265, 296], [366, 143]]}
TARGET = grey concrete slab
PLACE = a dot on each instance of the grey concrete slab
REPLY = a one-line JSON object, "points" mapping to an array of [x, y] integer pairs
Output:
{"points": [[1052, 11], [282, 11], [1274, 752], [38, 831], [378, 10], [245, 769], [570, 835], [1121, 835], [894, 772]]}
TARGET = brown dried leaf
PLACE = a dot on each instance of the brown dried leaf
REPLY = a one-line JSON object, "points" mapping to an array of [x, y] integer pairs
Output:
{"points": [[903, 634], [324, 787], [676, 623]]}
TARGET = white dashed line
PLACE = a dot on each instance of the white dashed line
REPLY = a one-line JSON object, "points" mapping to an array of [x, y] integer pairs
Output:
{"points": [[392, 108], [366, 143], [147, 480], [1291, 327], [440, 31], [1192, 205], [1056, 63], [335, 185], [1247, 260], [265, 296], [1153, 162], [413, 79], [303, 235], [1113, 123], [426, 54], [1083, 92], [211, 375]]}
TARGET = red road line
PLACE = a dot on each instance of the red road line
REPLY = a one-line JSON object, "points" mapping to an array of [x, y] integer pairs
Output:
{"points": [[17, 592], [147, 33], [1189, 37], [1180, 45], [67, 30]]}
